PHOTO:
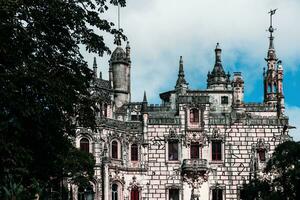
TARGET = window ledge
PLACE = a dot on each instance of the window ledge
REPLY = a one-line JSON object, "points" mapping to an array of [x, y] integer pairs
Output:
{"points": [[216, 162], [173, 161]]}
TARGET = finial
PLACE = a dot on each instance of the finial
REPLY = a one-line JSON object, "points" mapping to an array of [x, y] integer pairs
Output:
{"points": [[180, 80], [127, 45], [181, 72], [145, 97], [218, 51]]}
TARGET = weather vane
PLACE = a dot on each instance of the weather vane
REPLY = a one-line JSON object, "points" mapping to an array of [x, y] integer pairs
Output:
{"points": [[272, 12]]}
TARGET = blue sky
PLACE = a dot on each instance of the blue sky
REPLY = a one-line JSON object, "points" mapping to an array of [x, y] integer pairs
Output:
{"points": [[160, 31]]}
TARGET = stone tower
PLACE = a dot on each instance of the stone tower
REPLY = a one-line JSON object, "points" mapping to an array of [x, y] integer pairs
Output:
{"points": [[119, 74]]}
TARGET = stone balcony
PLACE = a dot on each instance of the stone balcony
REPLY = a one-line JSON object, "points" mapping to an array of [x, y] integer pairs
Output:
{"points": [[194, 167]]}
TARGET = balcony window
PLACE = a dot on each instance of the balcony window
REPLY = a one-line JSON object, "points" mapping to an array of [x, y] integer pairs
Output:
{"points": [[194, 115], [173, 150], [217, 194], [114, 149], [134, 152], [173, 194], [216, 153], [85, 145], [195, 151]]}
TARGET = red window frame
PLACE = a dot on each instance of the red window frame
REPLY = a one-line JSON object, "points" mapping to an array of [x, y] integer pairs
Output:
{"points": [[135, 195], [85, 145], [194, 115], [195, 151], [114, 149], [134, 152], [216, 150], [173, 150]]}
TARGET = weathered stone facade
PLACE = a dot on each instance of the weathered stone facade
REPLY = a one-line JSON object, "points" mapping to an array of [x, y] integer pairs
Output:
{"points": [[197, 144]]}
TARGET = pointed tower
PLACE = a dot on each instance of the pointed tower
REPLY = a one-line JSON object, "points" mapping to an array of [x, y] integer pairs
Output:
{"points": [[95, 67], [218, 79], [181, 84], [273, 76]]}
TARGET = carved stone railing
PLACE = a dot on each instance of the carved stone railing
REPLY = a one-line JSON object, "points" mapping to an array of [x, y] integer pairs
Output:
{"points": [[112, 123], [194, 167], [164, 121]]}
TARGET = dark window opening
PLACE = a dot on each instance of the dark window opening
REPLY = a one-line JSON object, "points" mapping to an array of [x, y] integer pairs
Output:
{"points": [[134, 194], [134, 118], [114, 192], [195, 154], [105, 110], [224, 100], [134, 152], [85, 145], [216, 150], [173, 194], [217, 194], [114, 149], [173, 150], [194, 115], [262, 154]]}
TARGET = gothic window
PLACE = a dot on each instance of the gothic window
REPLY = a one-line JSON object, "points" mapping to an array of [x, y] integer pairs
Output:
{"points": [[224, 100], [173, 150], [85, 145], [134, 152], [217, 194], [134, 194], [114, 149], [262, 154], [216, 150], [194, 115], [114, 192], [173, 194], [195, 151]]}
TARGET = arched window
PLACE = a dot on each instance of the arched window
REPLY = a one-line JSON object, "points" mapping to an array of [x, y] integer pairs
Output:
{"points": [[135, 194], [85, 145], [134, 152], [80, 193], [114, 149], [114, 192], [194, 115]]}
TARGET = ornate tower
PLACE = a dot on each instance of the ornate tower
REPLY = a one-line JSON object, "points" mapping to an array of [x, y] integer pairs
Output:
{"points": [[119, 74], [217, 79], [273, 76], [181, 84]]}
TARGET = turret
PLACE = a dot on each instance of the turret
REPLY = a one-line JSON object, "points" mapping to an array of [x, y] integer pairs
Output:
{"points": [[119, 74], [217, 79], [238, 89], [280, 96], [181, 84]]}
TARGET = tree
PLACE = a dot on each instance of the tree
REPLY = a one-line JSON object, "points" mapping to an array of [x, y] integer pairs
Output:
{"points": [[44, 84], [282, 175]]}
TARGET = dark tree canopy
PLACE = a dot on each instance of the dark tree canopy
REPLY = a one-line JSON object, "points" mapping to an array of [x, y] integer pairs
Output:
{"points": [[44, 85], [282, 176]]}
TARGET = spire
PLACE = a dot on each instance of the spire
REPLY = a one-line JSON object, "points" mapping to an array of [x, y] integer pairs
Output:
{"points": [[218, 68], [180, 80], [95, 67], [145, 97], [271, 50]]}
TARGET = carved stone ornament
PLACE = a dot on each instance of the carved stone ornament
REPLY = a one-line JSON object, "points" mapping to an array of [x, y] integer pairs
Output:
{"points": [[216, 134], [134, 184], [172, 136]]}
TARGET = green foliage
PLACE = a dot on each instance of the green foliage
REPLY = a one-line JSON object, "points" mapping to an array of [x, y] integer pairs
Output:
{"points": [[44, 85], [283, 175]]}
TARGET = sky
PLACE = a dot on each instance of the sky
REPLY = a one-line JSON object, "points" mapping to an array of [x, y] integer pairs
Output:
{"points": [[160, 31]]}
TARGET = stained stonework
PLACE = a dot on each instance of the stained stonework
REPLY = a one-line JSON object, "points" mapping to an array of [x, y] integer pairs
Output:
{"points": [[198, 144]]}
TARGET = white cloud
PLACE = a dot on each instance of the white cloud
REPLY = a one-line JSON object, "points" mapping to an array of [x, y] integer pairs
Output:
{"points": [[160, 31], [294, 120]]}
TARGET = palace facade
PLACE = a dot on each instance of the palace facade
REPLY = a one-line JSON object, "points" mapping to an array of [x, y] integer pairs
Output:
{"points": [[197, 144]]}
